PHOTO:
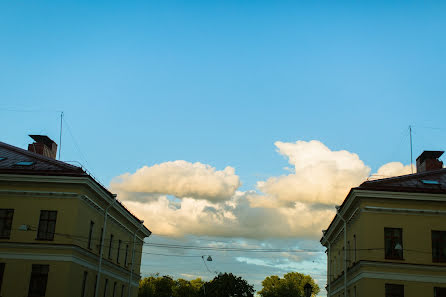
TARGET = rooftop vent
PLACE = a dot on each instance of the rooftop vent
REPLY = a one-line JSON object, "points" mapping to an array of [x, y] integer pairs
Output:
{"points": [[43, 145], [428, 161]]}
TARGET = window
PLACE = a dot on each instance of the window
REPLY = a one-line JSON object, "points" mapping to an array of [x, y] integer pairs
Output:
{"points": [[84, 283], [119, 249], [6, 222], [393, 238], [122, 290], [394, 290], [2, 272], [439, 292], [354, 291], [105, 287], [39, 278], [24, 163], [90, 234], [438, 246], [430, 182], [47, 225], [349, 262], [114, 289], [126, 254], [100, 240], [354, 246], [110, 246], [95, 284]]}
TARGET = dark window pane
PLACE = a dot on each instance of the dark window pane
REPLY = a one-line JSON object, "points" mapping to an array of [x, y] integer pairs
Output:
{"points": [[393, 241], [105, 287], [110, 246], [38, 281], [90, 234], [439, 292], [438, 246], [95, 284], [122, 291], [119, 249], [394, 290], [100, 240], [6, 222], [47, 225], [2, 272], [84, 283], [126, 254]]}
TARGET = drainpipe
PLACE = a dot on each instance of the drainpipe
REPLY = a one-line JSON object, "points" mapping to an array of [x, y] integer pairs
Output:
{"points": [[133, 257], [345, 250], [102, 245]]}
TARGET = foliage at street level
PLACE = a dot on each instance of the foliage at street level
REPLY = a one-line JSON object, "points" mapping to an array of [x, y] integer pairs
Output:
{"points": [[228, 285], [165, 286], [223, 285], [291, 285]]}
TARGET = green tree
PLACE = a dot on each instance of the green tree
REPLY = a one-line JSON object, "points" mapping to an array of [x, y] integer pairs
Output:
{"points": [[159, 286], [185, 288], [228, 285], [291, 285]]}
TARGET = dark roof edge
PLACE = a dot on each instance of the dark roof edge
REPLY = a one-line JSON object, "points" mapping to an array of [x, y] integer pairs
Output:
{"points": [[403, 177], [40, 157]]}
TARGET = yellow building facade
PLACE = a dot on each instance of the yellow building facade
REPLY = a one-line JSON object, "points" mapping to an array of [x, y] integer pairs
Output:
{"points": [[55, 222], [389, 237]]}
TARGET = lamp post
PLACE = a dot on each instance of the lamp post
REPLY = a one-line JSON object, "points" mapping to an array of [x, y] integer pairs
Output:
{"points": [[308, 289]]}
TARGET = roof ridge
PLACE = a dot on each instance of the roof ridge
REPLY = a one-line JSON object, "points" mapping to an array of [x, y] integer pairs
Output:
{"points": [[40, 157], [404, 177]]}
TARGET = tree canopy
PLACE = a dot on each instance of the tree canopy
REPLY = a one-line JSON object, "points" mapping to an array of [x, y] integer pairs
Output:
{"points": [[291, 285], [228, 285], [165, 286]]}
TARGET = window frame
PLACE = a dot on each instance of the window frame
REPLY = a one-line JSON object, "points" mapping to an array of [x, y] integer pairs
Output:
{"points": [[39, 275], [6, 217], [439, 257], [105, 287], [100, 240], [46, 234], [84, 283], [389, 234], [122, 290], [393, 287], [90, 234], [437, 293], [2, 274], [110, 247], [118, 251], [126, 255]]}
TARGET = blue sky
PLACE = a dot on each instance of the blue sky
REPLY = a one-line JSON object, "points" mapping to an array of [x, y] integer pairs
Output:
{"points": [[219, 82]]}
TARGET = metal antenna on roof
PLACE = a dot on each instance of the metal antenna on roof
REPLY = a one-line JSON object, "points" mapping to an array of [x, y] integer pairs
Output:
{"points": [[60, 136], [411, 158]]}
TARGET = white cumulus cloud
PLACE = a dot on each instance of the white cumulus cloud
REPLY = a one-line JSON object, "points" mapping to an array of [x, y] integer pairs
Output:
{"points": [[320, 175], [180, 179], [393, 169], [298, 204]]}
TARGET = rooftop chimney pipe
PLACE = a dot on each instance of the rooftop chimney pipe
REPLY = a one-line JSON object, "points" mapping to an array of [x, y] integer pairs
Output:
{"points": [[43, 145], [428, 161]]}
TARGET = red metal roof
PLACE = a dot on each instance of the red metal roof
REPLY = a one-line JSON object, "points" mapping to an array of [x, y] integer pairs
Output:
{"points": [[42, 165], [425, 182]]}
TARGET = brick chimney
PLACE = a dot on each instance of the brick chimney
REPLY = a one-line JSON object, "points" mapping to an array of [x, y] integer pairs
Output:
{"points": [[428, 161], [43, 145]]}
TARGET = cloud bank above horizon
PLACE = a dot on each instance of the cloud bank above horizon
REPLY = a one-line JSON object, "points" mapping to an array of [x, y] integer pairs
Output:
{"points": [[179, 198]]}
